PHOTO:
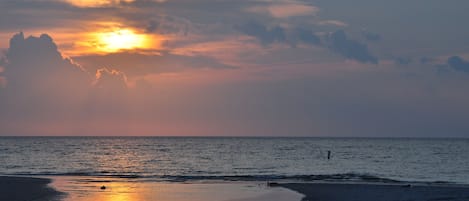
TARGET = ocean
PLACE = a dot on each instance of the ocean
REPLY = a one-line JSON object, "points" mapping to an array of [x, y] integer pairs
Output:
{"points": [[180, 159]]}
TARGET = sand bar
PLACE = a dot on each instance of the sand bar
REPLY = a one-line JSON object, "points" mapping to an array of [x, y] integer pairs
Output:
{"points": [[379, 192]]}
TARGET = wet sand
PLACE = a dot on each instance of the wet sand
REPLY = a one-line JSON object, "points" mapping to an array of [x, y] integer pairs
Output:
{"points": [[26, 189], [84, 188], [379, 192], [88, 188]]}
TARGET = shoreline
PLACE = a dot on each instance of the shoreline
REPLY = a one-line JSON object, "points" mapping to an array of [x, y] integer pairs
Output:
{"points": [[16, 188], [19, 188]]}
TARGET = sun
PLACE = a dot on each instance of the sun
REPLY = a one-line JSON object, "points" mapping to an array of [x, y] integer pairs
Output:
{"points": [[122, 39]]}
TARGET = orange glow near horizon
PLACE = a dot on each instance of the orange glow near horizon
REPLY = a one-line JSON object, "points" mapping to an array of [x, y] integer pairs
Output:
{"points": [[95, 3]]}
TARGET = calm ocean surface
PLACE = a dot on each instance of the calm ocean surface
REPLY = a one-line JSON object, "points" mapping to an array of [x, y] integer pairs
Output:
{"points": [[185, 158]]}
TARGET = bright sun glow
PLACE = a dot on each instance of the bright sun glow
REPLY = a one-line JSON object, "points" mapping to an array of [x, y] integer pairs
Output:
{"points": [[96, 3], [123, 39]]}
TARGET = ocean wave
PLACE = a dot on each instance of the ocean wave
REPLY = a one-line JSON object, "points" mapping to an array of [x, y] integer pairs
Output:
{"points": [[345, 177]]}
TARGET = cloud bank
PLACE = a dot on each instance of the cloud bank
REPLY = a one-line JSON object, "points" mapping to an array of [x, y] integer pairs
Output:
{"points": [[341, 44], [284, 67]]}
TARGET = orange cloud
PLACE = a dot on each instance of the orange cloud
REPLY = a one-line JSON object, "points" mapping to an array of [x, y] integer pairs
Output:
{"points": [[96, 3], [110, 78], [102, 3], [285, 10], [116, 38]]}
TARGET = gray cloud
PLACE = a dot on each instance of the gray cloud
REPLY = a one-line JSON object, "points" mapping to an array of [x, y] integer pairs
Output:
{"points": [[33, 60], [168, 25], [370, 36], [458, 64], [266, 35], [426, 60], [403, 60], [277, 34], [43, 85], [304, 35], [351, 49], [337, 41]]}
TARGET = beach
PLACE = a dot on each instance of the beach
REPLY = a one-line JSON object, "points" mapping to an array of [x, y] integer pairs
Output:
{"points": [[379, 192], [89, 188], [79, 188], [26, 189]]}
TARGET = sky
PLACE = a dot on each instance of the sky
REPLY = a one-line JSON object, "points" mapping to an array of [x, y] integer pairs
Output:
{"points": [[362, 68]]}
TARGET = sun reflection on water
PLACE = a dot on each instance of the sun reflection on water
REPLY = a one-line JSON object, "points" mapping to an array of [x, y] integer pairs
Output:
{"points": [[119, 189]]}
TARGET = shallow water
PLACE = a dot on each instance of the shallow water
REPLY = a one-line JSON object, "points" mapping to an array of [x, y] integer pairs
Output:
{"points": [[190, 159], [89, 188]]}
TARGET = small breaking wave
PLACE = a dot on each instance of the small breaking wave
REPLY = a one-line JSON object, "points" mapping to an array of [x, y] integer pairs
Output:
{"points": [[345, 177]]}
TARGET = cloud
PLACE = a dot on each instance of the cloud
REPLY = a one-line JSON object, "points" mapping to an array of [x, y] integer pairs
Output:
{"points": [[43, 85], [277, 34], [337, 41], [403, 60], [305, 35], [2, 78], [63, 98], [266, 35], [109, 78], [101, 3], [370, 36], [285, 9], [168, 25], [351, 49], [337, 23], [458, 64], [33, 61], [106, 3], [138, 64], [426, 60]]}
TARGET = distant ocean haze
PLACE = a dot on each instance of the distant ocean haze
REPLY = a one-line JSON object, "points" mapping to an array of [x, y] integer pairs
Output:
{"points": [[224, 158]]}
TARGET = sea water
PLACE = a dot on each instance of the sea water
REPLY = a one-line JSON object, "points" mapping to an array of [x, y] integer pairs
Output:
{"points": [[176, 159]]}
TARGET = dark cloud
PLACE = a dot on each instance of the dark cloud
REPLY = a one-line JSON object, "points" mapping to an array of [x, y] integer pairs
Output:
{"points": [[168, 25], [351, 49], [336, 41], [277, 34], [458, 64], [33, 61], [426, 60], [304, 35], [42, 84], [370, 36], [152, 26]]}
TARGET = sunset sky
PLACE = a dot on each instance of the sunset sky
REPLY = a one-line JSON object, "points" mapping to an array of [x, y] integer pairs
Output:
{"points": [[369, 68]]}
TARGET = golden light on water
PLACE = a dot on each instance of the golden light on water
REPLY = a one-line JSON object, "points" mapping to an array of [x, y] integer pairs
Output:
{"points": [[122, 39], [120, 189]]}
